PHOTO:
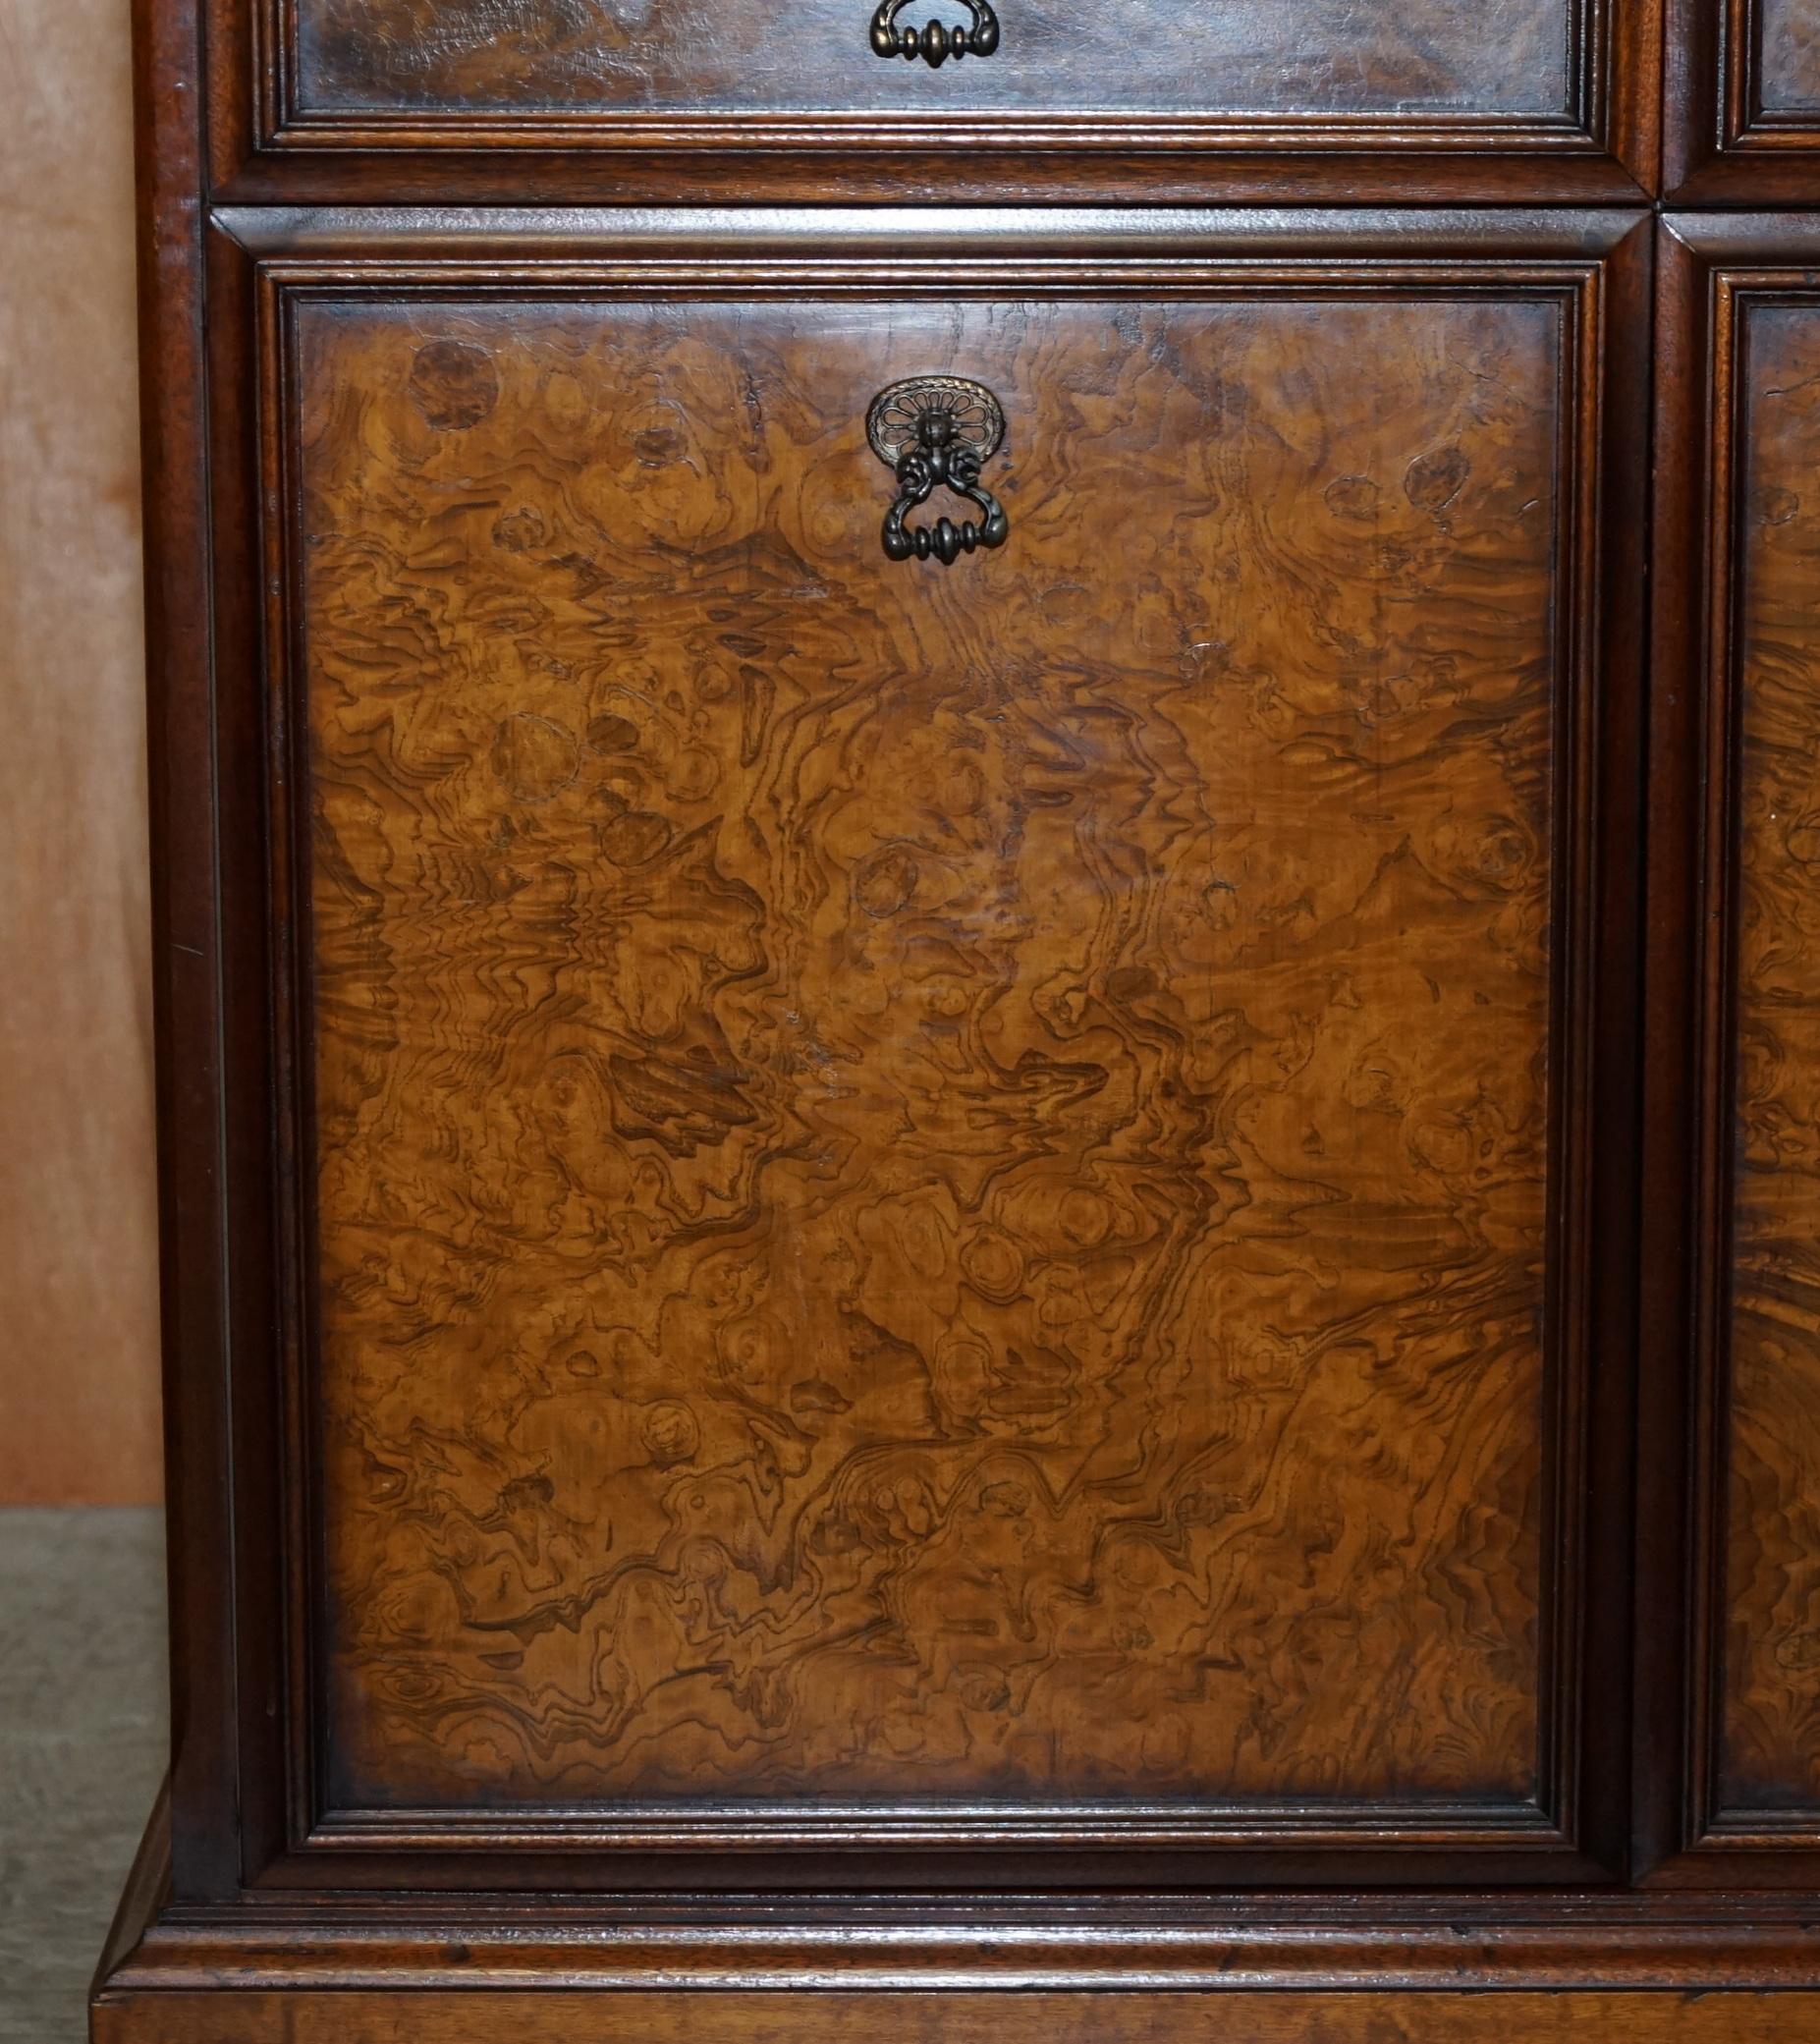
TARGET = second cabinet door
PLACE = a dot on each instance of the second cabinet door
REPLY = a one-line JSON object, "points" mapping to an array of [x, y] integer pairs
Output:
{"points": [[945, 1207]]}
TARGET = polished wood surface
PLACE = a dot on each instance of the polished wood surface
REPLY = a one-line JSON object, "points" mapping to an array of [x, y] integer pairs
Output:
{"points": [[1787, 71], [1770, 1732], [1742, 108], [79, 1354], [929, 1181], [1508, 57], [902, 1285], [559, 2019], [1726, 1447], [530, 101]]}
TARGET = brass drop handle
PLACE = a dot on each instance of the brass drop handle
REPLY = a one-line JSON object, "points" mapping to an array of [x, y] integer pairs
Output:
{"points": [[934, 42], [937, 431]]}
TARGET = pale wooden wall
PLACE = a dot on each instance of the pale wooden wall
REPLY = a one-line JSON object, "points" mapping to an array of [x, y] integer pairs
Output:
{"points": [[79, 1402]]}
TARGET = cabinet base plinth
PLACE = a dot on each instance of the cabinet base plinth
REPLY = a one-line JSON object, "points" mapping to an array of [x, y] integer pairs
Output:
{"points": [[337, 1968], [530, 2017]]}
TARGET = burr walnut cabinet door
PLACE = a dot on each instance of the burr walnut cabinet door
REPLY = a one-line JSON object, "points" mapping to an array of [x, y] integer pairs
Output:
{"points": [[944, 1206], [1736, 642]]}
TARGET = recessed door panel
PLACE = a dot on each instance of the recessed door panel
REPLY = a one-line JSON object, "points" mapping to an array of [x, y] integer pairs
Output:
{"points": [[1743, 103], [931, 1179]]}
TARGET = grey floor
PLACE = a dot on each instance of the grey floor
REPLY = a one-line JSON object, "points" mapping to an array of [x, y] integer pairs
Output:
{"points": [[81, 1747]]}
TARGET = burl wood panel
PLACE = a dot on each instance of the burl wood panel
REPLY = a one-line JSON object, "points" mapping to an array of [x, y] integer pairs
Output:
{"points": [[1771, 1744], [681, 56], [931, 1181]]}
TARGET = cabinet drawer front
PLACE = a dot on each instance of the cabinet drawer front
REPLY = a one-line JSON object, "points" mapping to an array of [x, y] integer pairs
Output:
{"points": [[942, 1201], [1515, 59], [1027, 89]]}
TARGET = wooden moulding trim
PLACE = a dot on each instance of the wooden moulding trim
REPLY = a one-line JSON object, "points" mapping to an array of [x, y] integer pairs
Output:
{"points": [[1377, 1826], [894, 176], [1664, 1443], [1713, 267], [1028, 238], [905, 1948], [837, 2017], [467, 1953], [1722, 1829], [960, 1943], [1612, 56], [810, 135], [1744, 121], [1722, 145]]}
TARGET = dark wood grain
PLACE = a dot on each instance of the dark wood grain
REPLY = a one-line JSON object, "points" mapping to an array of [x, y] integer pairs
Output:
{"points": [[1568, 1831], [1369, 1945], [1772, 1599], [1511, 57], [926, 1182], [1671, 1534], [1724, 1761], [541, 100], [1741, 104]]}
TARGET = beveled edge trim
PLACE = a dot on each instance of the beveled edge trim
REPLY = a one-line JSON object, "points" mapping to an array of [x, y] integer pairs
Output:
{"points": [[965, 1942], [1747, 122], [189, 1023], [1724, 147], [1388, 1823], [977, 1957], [1027, 236]]}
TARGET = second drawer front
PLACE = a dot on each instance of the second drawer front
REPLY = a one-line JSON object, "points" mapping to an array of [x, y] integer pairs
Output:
{"points": [[1002, 73]]}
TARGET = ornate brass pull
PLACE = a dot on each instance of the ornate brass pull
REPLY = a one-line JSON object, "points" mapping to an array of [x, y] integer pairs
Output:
{"points": [[934, 43], [938, 431]]}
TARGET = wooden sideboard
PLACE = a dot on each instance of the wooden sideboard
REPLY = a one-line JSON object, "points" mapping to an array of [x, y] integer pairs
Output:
{"points": [[989, 985]]}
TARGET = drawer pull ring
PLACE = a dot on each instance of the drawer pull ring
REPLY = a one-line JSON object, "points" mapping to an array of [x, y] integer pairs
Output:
{"points": [[933, 43], [932, 431]]}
